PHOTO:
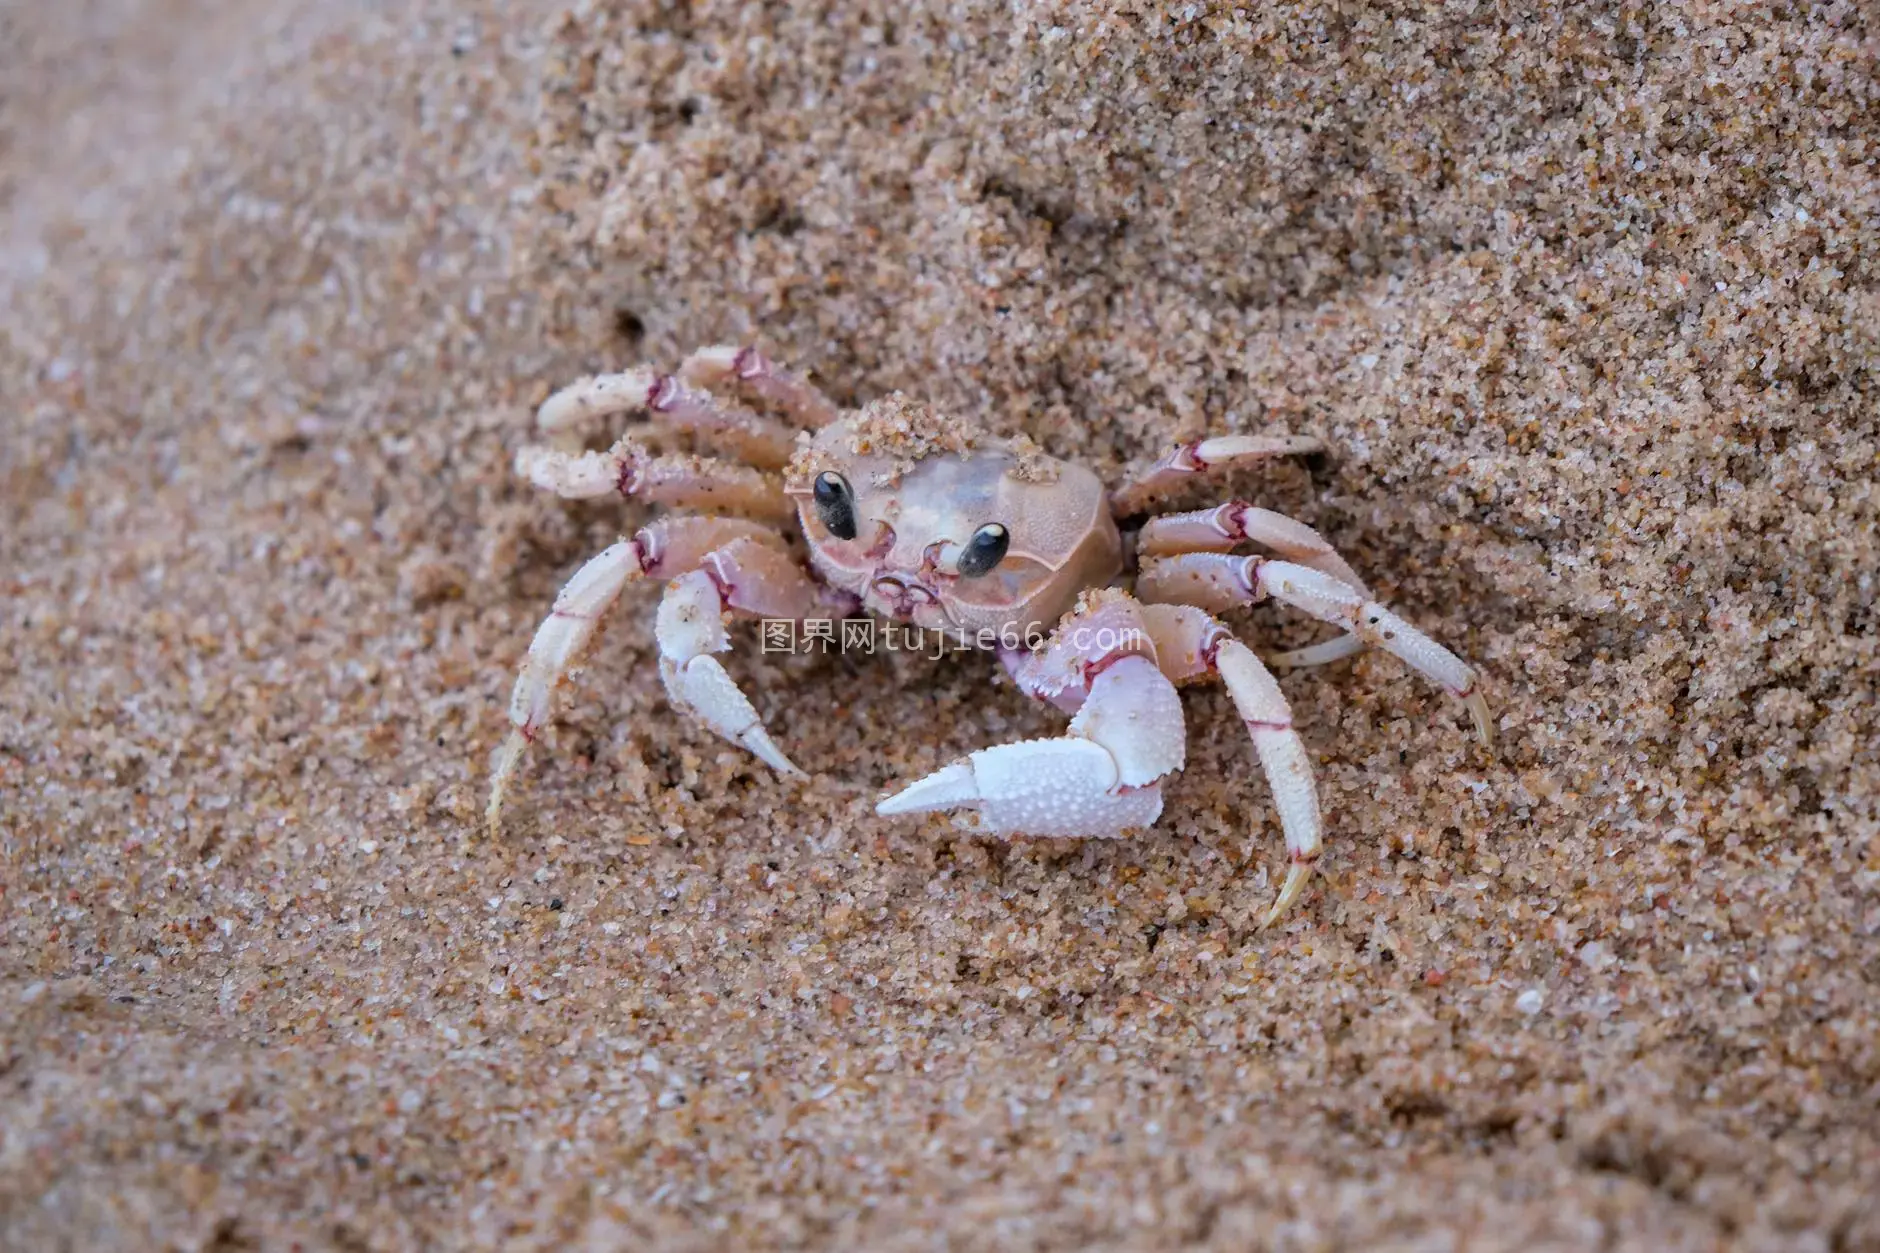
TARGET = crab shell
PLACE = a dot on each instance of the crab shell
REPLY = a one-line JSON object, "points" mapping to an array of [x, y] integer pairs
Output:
{"points": [[923, 485]]}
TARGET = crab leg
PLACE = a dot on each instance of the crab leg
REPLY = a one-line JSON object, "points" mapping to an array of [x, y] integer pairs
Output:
{"points": [[749, 369], [668, 545], [1223, 527], [1223, 452], [1282, 756], [1219, 581], [761, 441], [630, 469], [1190, 645]]}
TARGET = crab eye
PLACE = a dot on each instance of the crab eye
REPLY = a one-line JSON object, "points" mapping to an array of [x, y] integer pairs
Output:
{"points": [[835, 504], [984, 550]]}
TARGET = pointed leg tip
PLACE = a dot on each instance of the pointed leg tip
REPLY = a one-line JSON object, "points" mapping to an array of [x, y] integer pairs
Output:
{"points": [[1484, 724], [1297, 875], [506, 759]]}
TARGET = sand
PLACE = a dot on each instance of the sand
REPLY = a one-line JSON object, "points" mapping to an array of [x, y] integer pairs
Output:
{"points": [[1584, 302]]}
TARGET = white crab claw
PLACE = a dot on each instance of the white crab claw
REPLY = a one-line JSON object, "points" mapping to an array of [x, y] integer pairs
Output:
{"points": [[1096, 782], [689, 628], [945, 788], [1063, 787], [703, 686]]}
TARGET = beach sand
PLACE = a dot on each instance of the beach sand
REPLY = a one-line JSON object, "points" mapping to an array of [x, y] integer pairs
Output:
{"points": [[1585, 305]]}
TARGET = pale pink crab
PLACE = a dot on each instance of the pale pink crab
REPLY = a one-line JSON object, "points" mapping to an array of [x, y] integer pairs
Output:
{"points": [[921, 519]]}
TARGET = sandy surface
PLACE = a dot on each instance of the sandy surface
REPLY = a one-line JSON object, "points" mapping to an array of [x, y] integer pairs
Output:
{"points": [[1587, 306]]}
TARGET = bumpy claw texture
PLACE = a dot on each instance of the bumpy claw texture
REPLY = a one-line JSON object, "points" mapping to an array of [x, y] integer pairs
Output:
{"points": [[1098, 781], [1060, 787]]}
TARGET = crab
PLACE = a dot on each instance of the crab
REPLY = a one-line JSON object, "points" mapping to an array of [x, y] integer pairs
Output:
{"points": [[915, 516]]}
